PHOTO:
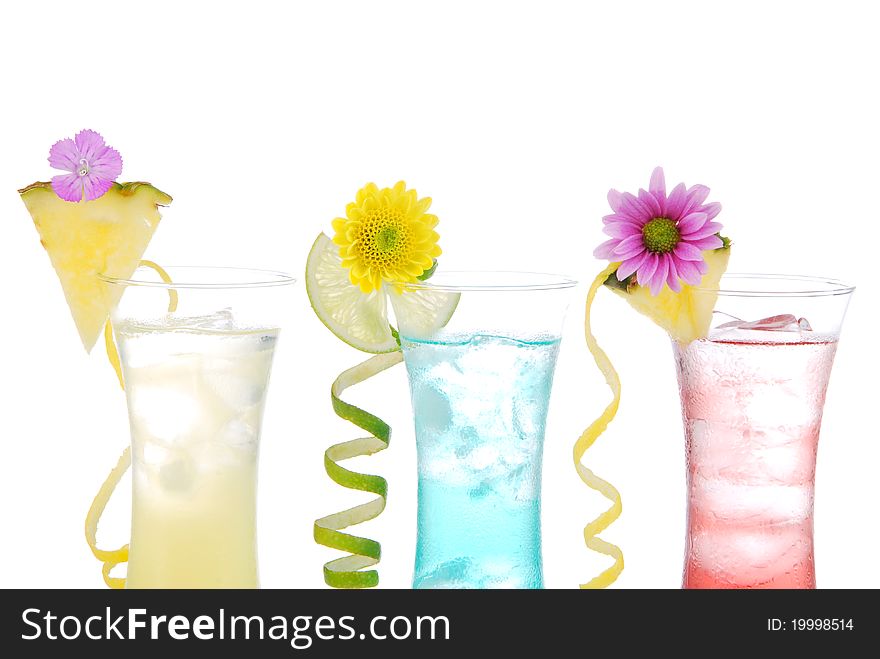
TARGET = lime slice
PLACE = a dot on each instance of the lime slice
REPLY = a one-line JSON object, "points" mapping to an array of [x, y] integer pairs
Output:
{"points": [[361, 320], [358, 319], [420, 312]]}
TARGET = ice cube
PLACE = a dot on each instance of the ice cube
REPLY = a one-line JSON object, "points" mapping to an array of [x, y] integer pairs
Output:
{"points": [[481, 490], [716, 449], [733, 318], [178, 474], [152, 453], [435, 413], [451, 574], [755, 556], [784, 326], [483, 457], [499, 574], [218, 320], [733, 500], [783, 322], [789, 454], [238, 434], [165, 413], [524, 480], [779, 399], [441, 464], [239, 388]]}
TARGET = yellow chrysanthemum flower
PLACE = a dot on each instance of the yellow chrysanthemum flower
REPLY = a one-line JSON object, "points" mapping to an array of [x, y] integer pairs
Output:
{"points": [[386, 235]]}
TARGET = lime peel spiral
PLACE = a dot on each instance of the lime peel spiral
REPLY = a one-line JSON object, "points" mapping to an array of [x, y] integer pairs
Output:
{"points": [[351, 571]]}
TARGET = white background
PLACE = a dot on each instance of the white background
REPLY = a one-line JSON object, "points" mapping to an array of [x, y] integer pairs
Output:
{"points": [[263, 119]]}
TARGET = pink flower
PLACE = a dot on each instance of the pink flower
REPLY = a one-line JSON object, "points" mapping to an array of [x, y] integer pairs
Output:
{"points": [[661, 238], [93, 166]]}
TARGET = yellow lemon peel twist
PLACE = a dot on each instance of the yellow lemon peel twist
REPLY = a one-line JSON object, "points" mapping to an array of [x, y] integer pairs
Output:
{"points": [[586, 440], [113, 557]]}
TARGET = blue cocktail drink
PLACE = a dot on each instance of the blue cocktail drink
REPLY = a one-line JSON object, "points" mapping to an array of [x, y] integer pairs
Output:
{"points": [[480, 405], [480, 393]]}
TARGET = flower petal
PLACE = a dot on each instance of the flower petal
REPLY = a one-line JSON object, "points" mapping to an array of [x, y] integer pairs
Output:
{"points": [[708, 229], [710, 242], [614, 199], [606, 250], [68, 186], [659, 277], [89, 144], [95, 186], [631, 205], [412, 269], [672, 279], [685, 251], [630, 253], [106, 164], [657, 186], [64, 155], [358, 271], [630, 265], [676, 201], [689, 272], [369, 190], [651, 202], [690, 223], [711, 210], [696, 195], [622, 229], [617, 217], [647, 270], [630, 246]]}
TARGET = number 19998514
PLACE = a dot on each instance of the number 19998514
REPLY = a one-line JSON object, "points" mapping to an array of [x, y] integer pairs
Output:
{"points": [[810, 624]]}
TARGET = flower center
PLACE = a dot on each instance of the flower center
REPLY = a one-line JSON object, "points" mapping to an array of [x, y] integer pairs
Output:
{"points": [[385, 239], [660, 235], [83, 168]]}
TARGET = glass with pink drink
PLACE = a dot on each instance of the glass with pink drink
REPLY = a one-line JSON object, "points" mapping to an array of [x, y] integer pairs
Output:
{"points": [[752, 395]]}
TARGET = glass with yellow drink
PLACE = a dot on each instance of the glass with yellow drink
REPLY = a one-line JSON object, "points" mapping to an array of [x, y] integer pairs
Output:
{"points": [[196, 382]]}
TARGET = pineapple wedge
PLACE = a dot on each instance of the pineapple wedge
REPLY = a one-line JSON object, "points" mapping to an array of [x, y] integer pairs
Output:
{"points": [[107, 235], [687, 315]]}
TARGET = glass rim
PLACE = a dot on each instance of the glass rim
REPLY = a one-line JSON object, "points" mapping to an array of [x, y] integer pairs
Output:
{"points": [[236, 278], [531, 281], [807, 286]]}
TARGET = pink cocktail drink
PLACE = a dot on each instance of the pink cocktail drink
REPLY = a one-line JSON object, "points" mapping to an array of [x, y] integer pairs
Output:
{"points": [[752, 399]]}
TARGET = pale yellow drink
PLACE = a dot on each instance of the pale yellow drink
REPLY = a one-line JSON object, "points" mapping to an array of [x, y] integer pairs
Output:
{"points": [[196, 390]]}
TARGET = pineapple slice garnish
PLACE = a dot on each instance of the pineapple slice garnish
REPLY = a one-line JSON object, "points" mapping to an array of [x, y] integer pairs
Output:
{"points": [[687, 315], [108, 236]]}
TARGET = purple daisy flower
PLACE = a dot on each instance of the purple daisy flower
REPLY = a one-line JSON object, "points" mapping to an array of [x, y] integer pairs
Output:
{"points": [[93, 166], [661, 238]]}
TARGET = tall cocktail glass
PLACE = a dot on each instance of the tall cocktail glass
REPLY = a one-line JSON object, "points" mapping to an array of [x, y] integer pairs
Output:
{"points": [[196, 380], [480, 392], [752, 396]]}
